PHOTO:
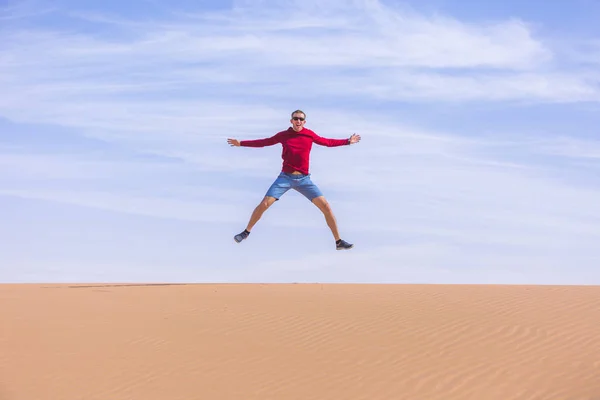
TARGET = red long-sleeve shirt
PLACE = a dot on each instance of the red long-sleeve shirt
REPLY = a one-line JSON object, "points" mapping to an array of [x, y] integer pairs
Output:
{"points": [[296, 147]]}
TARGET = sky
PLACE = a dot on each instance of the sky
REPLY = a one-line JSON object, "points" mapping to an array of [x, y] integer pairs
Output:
{"points": [[479, 158]]}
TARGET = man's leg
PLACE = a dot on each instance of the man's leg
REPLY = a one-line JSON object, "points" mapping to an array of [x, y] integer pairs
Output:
{"points": [[266, 202], [259, 210], [275, 191], [323, 205], [312, 192]]}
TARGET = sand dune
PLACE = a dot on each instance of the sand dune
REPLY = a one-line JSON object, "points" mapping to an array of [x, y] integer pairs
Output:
{"points": [[288, 342]]}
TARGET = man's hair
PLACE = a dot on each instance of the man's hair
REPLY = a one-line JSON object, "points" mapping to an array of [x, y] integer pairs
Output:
{"points": [[299, 112]]}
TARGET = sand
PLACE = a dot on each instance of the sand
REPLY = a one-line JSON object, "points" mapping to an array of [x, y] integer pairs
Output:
{"points": [[299, 341]]}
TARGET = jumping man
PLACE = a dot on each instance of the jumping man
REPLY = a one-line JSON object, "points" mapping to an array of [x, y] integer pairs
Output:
{"points": [[297, 143]]}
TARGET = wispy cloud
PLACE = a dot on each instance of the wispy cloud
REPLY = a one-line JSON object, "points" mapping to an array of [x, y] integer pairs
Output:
{"points": [[337, 48], [23, 9], [196, 73]]}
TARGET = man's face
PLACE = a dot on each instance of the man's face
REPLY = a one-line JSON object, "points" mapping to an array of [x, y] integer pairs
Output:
{"points": [[298, 120]]}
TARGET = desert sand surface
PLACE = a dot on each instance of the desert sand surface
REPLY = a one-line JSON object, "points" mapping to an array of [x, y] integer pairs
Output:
{"points": [[299, 341]]}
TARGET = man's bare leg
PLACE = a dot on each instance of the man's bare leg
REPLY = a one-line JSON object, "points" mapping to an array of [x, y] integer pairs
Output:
{"points": [[259, 210], [266, 202], [325, 208]]}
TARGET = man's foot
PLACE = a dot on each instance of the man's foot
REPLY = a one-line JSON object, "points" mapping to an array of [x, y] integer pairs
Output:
{"points": [[343, 245], [241, 236]]}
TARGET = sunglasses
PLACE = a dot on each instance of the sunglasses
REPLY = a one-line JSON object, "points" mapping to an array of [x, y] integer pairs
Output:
{"points": [[298, 119]]}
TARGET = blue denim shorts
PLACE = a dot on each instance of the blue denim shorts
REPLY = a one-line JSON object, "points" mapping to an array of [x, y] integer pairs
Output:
{"points": [[298, 182]]}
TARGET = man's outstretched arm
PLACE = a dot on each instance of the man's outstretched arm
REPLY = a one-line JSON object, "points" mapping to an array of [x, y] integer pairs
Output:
{"points": [[336, 142], [256, 142]]}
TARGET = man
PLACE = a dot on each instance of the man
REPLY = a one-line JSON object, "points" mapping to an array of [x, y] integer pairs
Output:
{"points": [[296, 144]]}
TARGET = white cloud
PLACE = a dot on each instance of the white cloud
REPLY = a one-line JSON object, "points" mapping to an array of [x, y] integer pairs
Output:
{"points": [[572, 147], [261, 48], [369, 34], [152, 206], [431, 262], [22, 9]]}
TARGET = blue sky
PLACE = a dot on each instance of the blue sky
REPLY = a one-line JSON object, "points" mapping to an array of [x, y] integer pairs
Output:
{"points": [[478, 161]]}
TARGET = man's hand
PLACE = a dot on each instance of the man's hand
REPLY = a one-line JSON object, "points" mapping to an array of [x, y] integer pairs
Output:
{"points": [[233, 142], [354, 139]]}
